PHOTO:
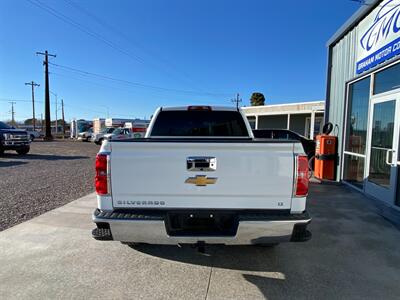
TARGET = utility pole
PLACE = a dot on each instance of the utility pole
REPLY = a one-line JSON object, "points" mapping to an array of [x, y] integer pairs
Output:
{"points": [[63, 119], [237, 100], [33, 84], [56, 114], [48, 135], [41, 122], [12, 113]]}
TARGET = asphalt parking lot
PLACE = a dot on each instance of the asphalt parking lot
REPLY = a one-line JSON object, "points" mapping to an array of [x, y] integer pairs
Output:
{"points": [[354, 254], [51, 175]]}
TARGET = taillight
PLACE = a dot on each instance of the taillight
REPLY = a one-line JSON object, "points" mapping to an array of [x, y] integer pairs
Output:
{"points": [[101, 179], [139, 129], [301, 176]]}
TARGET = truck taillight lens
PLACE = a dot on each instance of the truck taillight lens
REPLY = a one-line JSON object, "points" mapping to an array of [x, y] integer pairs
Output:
{"points": [[302, 176], [101, 179], [138, 129]]}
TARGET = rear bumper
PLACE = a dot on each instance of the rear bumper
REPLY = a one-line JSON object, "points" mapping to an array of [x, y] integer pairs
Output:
{"points": [[151, 228]]}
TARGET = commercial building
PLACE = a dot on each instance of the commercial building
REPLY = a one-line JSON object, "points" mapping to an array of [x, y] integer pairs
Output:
{"points": [[298, 117], [363, 101]]}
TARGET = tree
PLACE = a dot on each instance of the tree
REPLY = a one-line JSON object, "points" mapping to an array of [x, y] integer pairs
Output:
{"points": [[30, 121], [257, 99]]}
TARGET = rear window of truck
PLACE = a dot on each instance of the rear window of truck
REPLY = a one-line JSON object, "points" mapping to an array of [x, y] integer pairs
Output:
{"points": [[199, 124]]}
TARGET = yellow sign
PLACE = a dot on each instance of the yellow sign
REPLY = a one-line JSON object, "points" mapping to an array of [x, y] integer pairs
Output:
{"points": [[201, 180]]}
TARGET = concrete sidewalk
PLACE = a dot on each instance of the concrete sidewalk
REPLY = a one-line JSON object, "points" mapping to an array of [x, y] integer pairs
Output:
{"points": [[354, 253]]}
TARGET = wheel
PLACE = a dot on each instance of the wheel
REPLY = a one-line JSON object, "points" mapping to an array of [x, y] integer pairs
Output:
{"points": [[23, 151], [100, 141], [32, 137], [267, 245]]}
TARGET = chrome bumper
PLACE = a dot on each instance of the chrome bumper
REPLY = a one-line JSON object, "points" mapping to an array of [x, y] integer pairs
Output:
{"points": [[11, 143], [153, 231]]}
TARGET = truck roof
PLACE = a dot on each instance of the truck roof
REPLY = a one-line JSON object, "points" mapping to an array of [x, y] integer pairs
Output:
{"points": [[218, 108]]}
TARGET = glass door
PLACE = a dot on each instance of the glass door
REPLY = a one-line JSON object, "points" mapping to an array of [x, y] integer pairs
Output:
{"points": [[397, 201], [383, 140]]}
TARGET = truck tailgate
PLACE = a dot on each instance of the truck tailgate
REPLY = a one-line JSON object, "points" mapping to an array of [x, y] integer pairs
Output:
{"points": [[247, 176]]}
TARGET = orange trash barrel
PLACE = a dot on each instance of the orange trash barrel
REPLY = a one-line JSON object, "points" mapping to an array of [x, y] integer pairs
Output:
{"points": [[325, 157]]}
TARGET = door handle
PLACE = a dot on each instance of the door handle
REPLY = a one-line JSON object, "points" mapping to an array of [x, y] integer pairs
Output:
{"points": [[390, 163], [201, 163]]}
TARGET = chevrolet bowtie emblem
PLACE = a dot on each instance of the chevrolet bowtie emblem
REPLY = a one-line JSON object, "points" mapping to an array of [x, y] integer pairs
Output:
{"points": [[201, 180]]}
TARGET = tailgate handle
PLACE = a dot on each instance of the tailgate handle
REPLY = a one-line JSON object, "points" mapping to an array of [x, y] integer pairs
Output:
{"points": [[201, 163]]}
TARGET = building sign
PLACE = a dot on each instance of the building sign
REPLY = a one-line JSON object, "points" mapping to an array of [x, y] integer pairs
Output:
{"points": [[379, 35]]}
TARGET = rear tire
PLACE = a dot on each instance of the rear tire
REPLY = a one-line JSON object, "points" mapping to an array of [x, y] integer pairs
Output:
{"points": [[23, 151], [32, 137], [100, 141]]}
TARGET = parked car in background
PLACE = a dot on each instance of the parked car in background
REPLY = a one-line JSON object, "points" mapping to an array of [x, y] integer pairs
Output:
{"points": [[13, 139], [86, 135], [33, 134], [284, 134], [98, 138], [119, 134]]}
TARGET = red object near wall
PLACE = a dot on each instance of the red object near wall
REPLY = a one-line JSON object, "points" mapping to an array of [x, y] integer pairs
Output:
{"points": [[325, 157]]}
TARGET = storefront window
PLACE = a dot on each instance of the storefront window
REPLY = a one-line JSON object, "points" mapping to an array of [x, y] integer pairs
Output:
{"points": [[357, 116], [387, 80], [252, 122], [354, 170]]}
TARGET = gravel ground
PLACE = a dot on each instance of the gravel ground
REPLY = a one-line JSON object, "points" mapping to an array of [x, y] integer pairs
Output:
{"points": [[51, 175]]}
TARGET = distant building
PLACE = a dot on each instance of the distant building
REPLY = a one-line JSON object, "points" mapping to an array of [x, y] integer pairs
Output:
{"points": [[116, 122], [98, 125], [298, 117]]}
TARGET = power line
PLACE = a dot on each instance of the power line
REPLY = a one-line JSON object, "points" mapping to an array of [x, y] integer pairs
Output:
{"points": [[95, 35], [142, 85], [17, 100], [82, 28], [100, 84], [124, 36]]}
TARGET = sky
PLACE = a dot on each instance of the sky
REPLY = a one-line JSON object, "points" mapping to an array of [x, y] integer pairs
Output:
{"points": [[125, 58]]}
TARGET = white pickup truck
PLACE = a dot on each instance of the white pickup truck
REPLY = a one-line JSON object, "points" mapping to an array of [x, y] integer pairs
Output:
{"points": [[200, 177]]}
